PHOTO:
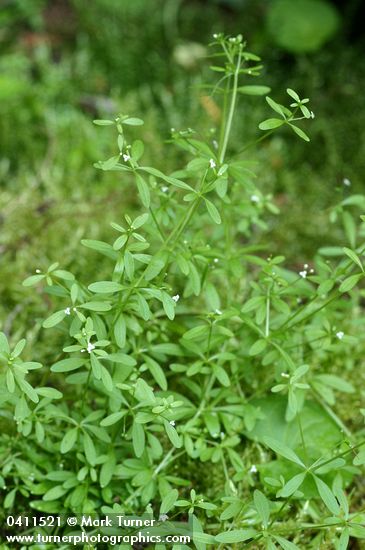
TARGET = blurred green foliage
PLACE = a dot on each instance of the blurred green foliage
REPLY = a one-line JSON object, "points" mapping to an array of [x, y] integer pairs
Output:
{"points": [[64, 62]]}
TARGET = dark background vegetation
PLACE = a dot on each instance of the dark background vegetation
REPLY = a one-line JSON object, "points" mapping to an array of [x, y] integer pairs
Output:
{"points": [[63, 63]]}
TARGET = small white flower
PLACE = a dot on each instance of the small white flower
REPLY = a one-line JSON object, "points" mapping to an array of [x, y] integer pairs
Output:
{"points": [[253, 469], [38, 271], [285, 375], [172, 422], [215, 35], [303, 274], [216, 260], [218, 312], [212, 163], [163, 517], [126, 157], [311, 270], [176, 298], [255, 198], [340, 334], [90, 347], [82, 350], [346, 182], [164, 189], [74, 309], [172, 129], [68, 311], [306, 266]]}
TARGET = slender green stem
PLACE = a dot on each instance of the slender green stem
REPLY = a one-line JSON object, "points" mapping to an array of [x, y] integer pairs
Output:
{"points": [[267, 321], [228, 126]]}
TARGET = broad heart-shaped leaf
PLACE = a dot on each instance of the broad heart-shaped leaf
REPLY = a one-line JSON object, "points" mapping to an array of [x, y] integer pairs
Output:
{"points": [[321, 434], [302, 26]]}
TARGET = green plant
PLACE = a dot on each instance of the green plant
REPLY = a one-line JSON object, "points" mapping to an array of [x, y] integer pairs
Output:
{"points": [[176, 360]]}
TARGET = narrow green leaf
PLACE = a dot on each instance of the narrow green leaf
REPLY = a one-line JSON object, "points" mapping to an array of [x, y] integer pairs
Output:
{"points": [[327, 496], [286, 544], [281, 449], [236, 535], [105, 287], [254, 90], [262, 506], [96, 306], [106, 379], [169, 305], [54, 319], [55, 493], [138, 438], [292, 485], [120, 330], [258, 346], [132, 121], [354, 257], [143, 190], [101, 122], [168, 501], [66, 365], [51, 393], [299, 132], [350, 282], [89, 449], [271, 123], [172, 434], [69, 440], [33, 280], [213, 212], [112, 418]]}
